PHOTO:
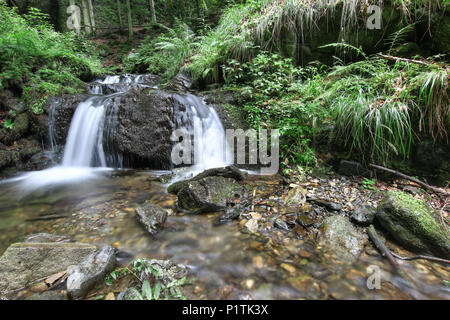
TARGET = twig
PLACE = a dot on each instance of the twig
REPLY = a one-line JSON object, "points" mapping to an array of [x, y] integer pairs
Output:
{"points": [[385, 252], [423, 184], [392, 58], [388, 254], [435, 259]]}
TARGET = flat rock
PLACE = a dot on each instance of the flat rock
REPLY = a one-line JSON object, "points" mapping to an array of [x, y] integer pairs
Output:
{"points": [[24, 263], [82, 278]]}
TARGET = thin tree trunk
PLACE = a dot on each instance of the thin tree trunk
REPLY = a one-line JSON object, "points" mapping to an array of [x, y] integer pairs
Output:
{"points": [[151, 6], [119, 14], [86, 17], [130, 21], [76, 18], [91, 15]]}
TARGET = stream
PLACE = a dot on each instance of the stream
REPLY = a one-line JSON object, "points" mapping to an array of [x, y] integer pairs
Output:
{"points": [[86, 199]]}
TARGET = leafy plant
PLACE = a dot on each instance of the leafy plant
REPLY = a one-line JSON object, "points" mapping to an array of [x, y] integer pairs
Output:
{"points": [[368, 184], [9, 124]]}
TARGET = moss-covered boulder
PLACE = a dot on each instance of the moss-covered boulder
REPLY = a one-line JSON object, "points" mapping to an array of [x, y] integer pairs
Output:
{"points": [[413, 223]]}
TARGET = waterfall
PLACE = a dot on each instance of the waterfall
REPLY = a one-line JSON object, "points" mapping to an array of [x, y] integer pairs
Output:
{"points": [[206, 130]]}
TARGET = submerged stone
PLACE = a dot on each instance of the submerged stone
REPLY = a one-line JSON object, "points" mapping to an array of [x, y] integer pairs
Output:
{"points": [[410, 221], [151, 216], [342, 238]]}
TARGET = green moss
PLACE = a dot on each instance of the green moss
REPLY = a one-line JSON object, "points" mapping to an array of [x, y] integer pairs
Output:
{"points": [[422, 213]]}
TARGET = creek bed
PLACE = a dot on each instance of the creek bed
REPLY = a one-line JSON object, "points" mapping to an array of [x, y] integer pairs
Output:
{"points": [[228, 261]]}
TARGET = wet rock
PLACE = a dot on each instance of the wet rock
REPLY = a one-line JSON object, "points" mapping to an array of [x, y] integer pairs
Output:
{"points": [[82, 277], [333, 206], [64, 109], [279, 223], [144, 126], [304, 220], [48, 295], [206, 193], [231, 172], [42, 160], [21, 126], [46, 237], [411, 222], [151, 216], [180, 82], [7, 158], [19, 108], [296, 196], [342, 238], [363, 215], [352, 168], [24, 263], [231, 213]]}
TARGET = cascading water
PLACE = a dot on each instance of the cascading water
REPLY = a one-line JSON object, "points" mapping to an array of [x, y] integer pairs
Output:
{"points": [[206, 131], [89, 141]]}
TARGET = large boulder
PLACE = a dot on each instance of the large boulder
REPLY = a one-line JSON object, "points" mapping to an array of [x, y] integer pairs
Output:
{"points": [[84, 276], [24, 263], [412, 223], [151, 216], [145, 125]]}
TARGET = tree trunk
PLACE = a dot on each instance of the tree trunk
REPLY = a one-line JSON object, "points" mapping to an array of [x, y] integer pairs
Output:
{"points": [[151, 6], [55, 14], [119, 14], [86, 17], [130, 20], [91, 14]]}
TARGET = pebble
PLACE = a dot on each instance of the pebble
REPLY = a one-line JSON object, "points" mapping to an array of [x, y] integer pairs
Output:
{"points": [[288, 267]]}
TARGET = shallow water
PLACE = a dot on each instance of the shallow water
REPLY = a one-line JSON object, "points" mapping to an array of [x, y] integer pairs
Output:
{"points": [[227, 260]]}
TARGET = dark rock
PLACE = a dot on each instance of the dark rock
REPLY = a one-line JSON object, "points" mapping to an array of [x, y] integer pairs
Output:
{"points": [[19, 108], [180, 82], [279, 223], [145, 125], [207, 194], [93, 269], [42, 160], [227, 172], [151, 216], [7, 158], [333, 206], [63, 110], [21, 125], [363, 215], [304, 220], [352, 168], [412, 223], [24, 263], [232, 213]]}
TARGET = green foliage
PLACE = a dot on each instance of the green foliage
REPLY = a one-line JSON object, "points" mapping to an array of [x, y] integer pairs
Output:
{"points": [[368, 184], [279, 99], [47, 62], [9, 124], [164, 55], [145, 291]]}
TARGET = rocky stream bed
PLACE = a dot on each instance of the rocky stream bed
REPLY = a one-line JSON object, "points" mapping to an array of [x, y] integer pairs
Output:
{"points": [[300, 235]]}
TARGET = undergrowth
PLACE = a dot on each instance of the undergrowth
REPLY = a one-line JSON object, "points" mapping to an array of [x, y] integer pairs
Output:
{"points": [[45, 62]]}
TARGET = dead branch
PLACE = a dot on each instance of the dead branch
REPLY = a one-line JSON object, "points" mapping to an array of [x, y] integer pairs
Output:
{"points": [[436, 190], [429, 258], [392, 58]]}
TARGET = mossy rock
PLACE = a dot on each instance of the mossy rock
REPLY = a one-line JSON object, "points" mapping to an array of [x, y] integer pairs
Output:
{"points": [[412, 223]]}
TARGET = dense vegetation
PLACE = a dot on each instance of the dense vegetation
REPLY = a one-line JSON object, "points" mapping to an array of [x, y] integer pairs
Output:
{"points": [[294, 70]]}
